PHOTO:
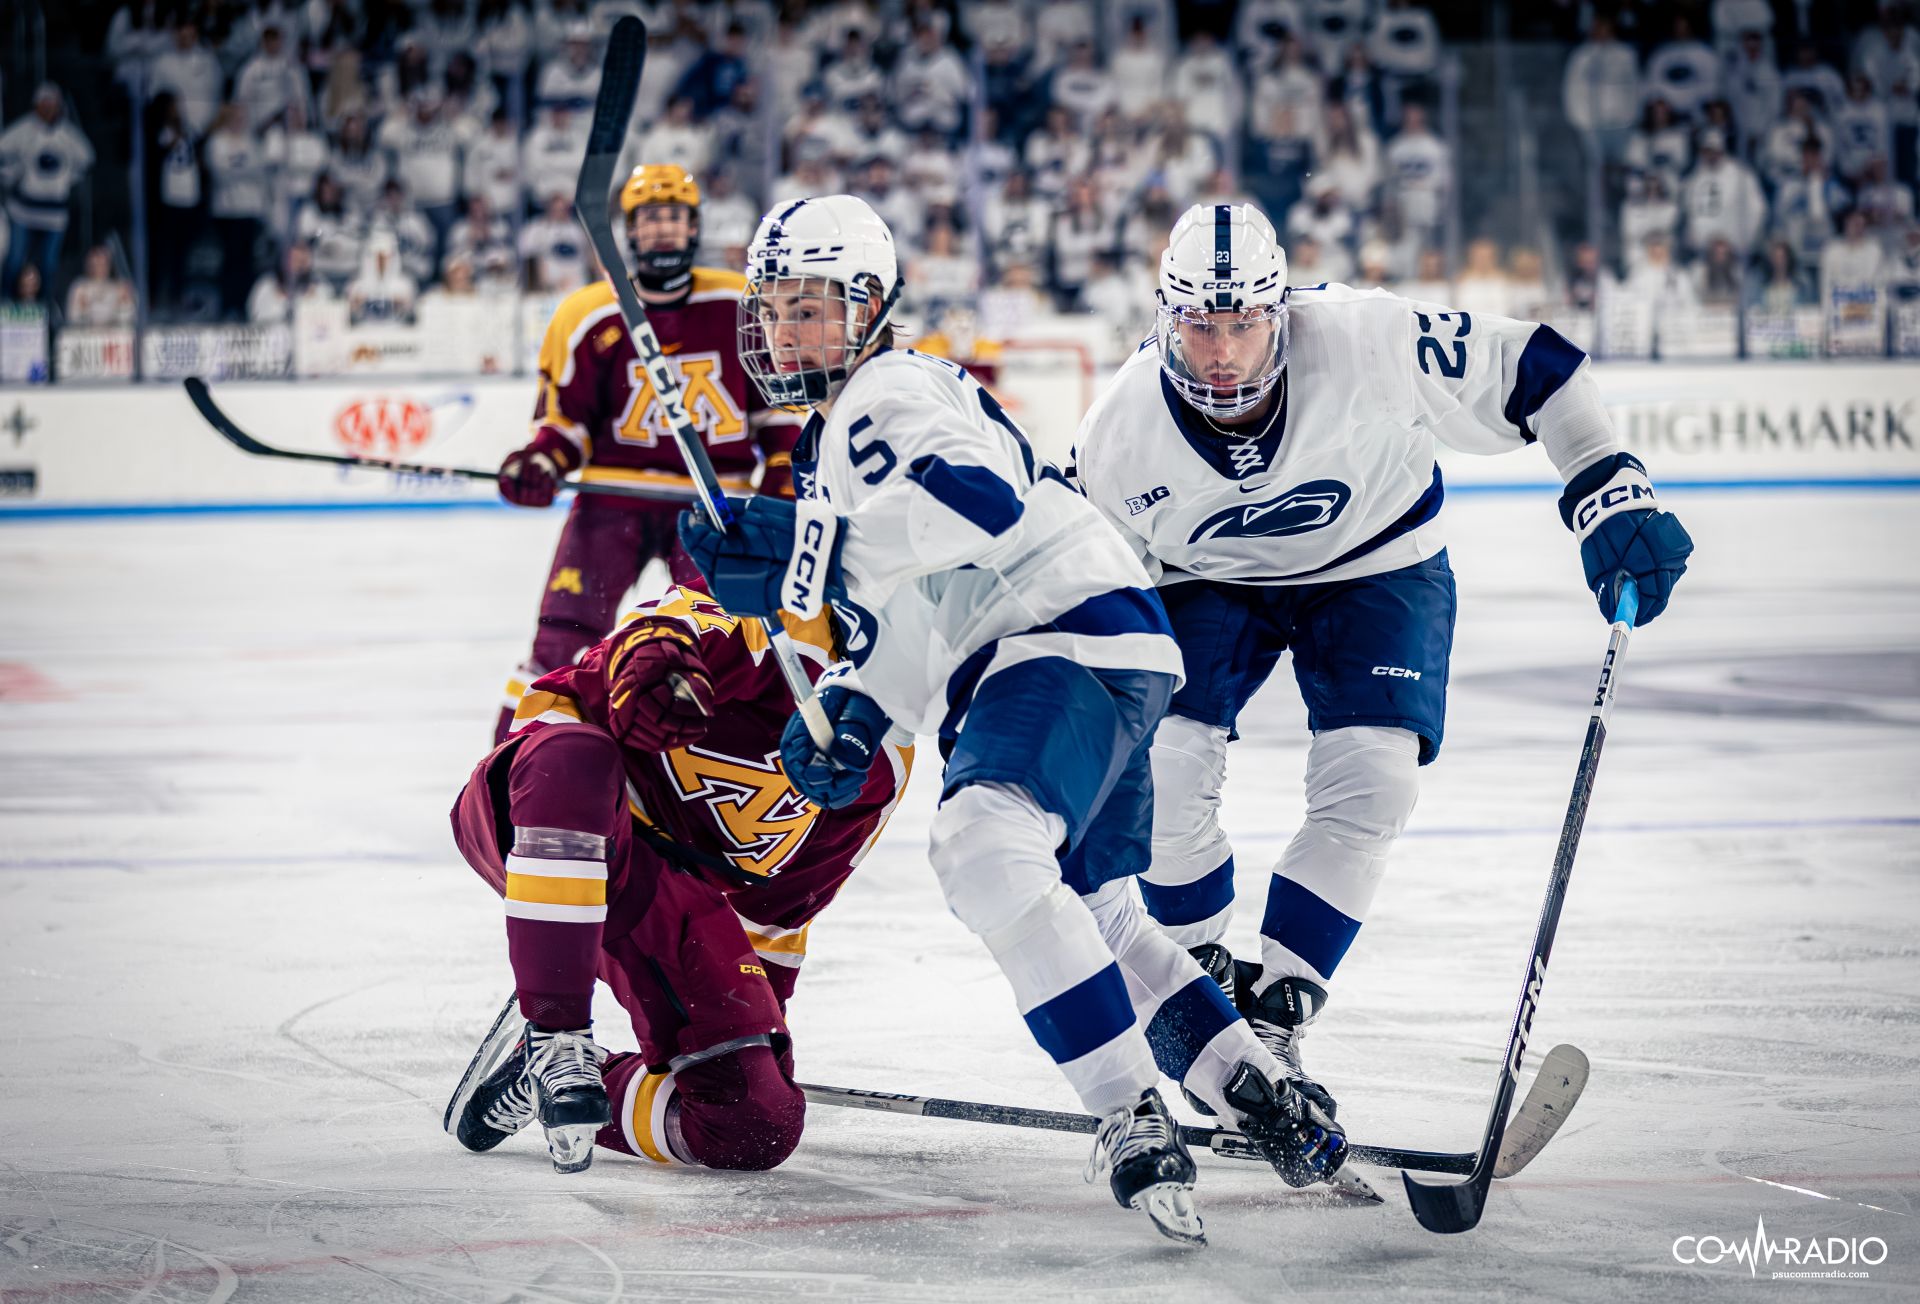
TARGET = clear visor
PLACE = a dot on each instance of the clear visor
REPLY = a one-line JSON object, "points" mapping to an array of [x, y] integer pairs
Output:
{"points": [[799, 336], [1223, 362]]}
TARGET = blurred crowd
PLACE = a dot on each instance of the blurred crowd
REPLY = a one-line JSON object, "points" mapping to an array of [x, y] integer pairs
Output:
{"points": [[1029, 154], [1752, 161]]}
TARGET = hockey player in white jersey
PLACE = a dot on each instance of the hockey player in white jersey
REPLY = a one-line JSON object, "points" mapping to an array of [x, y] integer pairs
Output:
{"points": [[1269, 455], [981, 600]]}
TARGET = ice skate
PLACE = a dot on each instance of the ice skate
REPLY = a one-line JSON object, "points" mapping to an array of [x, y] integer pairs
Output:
{"points": [[563, 1069], [494, 1099], [1152, 1169], [1302, 1143], [1280, 1016]]}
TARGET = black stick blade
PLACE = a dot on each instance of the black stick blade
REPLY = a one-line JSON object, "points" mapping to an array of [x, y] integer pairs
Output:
{"points": [[202, 400], [1446, 1207], [619, 84]]}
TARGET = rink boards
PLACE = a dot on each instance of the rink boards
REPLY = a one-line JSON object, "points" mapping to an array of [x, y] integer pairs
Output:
{"points": [[130, 449]]}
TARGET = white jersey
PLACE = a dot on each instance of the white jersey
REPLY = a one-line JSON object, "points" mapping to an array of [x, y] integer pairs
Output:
{"points": [[954, 535], [1340, 480]]}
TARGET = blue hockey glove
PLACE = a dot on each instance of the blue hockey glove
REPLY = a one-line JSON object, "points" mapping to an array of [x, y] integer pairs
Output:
{"points": [[1611, 509], [834, 778], [743, 568]]}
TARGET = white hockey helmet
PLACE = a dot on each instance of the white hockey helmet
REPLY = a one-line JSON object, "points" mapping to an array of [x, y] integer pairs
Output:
{"points": [[1223, 308], [816, 267]]}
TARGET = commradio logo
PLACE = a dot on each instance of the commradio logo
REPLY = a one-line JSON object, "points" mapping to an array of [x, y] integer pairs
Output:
{"points": [[1815, 1257]]}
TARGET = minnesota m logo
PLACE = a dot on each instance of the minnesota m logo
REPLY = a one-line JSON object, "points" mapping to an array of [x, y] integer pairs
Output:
{"points": [[755, 806], [713, 412]]}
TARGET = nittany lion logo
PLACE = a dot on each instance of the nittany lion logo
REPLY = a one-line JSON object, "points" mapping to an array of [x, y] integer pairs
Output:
{"points": [[1311, 506]]}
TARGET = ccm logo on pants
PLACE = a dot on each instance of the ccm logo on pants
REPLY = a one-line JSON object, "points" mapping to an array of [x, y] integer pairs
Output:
{"points": [[1396, 672]]}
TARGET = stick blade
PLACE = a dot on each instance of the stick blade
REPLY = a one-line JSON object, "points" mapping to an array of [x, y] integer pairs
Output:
{"points": [[619, 84], [1555, 1091], [202, 399], [1448, 1207]]}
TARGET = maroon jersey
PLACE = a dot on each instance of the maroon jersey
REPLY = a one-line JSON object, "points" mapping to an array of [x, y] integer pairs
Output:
{"points": [[597, 411], [726, 799]]}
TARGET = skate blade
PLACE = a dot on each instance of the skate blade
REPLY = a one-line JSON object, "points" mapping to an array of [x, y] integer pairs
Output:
{"points": [[1170, 1206], [499, 1042], [571, 1147], [1354, 1186]]}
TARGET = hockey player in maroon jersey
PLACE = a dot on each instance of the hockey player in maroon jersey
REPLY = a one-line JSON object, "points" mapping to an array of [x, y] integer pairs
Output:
{"points": [[597, 414], [640, 827]]}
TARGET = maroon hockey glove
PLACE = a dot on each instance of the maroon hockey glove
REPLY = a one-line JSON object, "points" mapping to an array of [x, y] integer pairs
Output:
{"points": [[530, 476], [658, 693]]}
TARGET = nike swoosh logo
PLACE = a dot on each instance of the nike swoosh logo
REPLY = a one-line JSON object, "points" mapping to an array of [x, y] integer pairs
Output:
{"points": [[1251, 488]]}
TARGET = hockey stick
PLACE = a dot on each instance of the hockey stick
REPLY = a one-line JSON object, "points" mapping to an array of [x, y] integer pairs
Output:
{"points": [[224, 425], [619, 84], [1457, 1206], [1562, 1075]]}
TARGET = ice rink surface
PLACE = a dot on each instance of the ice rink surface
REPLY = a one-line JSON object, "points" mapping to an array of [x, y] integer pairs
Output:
{"points": [[243, 965]]}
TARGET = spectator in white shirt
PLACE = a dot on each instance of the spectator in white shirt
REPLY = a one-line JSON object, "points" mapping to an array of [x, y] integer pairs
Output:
{"points": [[1348, 157], [503, 45], [1852, 269], [359, 167], [574, 79], [878, 183], [138, 34], [1179, 158], [481, 234], [270, 81], [811, 177], [1816, 79], [1779, 156], [1014, 222], [873, 135], [1885, 52], [426, 147], [728, 220], [1648, 210], [278, 294], [99, 298], [1752, 89], [1057, 26], [853, 76], [1311, 263], [1661, 144], [1405, 43], [554, 250], [1483, 286], [493, 166], [1050, 154], [1656, 280], [190, 71], [1420, 169], [1079, 231], [552, 155], [930, 84], [382, 292], [1080, 86], [933, 172], [416, 245], [332, 231], [553, 22], [943, 277], [1721, 199], [677, 138], [43, 156], [1807, 206], [1207, 84], [1600, 91], [1684, 72], [1860, 129], [1887, 204], [296, 155], [1140, 64], [1323, 216], [240, 191]]}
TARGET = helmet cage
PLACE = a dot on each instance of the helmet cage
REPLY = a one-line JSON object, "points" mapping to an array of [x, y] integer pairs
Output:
{"points": [[1176, 321], [818, 313]]}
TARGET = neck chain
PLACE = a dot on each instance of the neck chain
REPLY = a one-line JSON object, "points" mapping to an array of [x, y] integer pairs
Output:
{"points": [[1278, 397]]}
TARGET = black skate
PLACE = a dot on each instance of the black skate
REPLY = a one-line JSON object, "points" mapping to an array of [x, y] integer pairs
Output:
{"points": [[1302, 1143], [494, 1099], [1280, 1016], [1152, 1169], [569, 1099]]}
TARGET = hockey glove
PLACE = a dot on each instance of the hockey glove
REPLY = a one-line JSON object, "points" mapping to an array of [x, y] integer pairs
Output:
{"points": [[746, 568], [659, 696], [1611, 509], [530, 476], [834, 778]]}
